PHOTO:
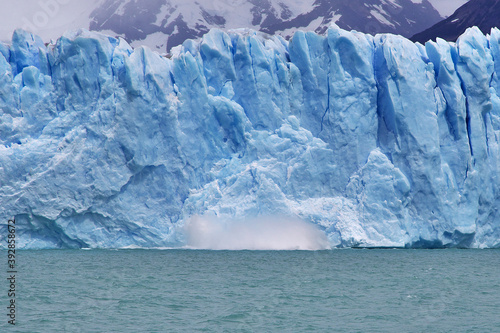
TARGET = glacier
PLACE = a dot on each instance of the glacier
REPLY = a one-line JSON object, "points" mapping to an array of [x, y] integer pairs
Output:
{"points": [[378, 141]]}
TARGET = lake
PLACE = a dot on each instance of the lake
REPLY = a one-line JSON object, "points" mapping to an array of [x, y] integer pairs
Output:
{"points": [[255, 291]]}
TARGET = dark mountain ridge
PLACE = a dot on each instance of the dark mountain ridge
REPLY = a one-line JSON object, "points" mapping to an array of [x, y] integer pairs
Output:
{"points": [[485, 14]]}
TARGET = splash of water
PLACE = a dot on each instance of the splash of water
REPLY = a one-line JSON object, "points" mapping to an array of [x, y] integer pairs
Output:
{"points": [[254, 234]]}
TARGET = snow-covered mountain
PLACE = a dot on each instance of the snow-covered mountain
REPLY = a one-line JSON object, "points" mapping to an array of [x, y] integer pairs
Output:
{"points": [[485, 14], [162, 24], [376, 140]]}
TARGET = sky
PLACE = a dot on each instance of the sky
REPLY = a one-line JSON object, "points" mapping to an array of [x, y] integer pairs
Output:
{"points": [[51, 18], [48, 18], [447, 7]]}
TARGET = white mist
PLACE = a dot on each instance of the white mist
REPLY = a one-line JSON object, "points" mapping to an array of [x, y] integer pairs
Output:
{"points": [[255, 234]]}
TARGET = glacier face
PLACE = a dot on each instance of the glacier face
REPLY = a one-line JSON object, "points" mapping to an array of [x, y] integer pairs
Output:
{"points": [[379, 141]]}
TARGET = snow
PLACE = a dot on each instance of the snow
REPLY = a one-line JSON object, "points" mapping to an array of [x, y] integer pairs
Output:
{"points": [[157, 39], [373, 141], [396, 3], [164, 10], [313, 25], [378, 14]]}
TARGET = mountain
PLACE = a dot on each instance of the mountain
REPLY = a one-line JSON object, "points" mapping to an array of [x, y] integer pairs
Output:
{"points": [[163, 24], [375, 140], [484, 14]]}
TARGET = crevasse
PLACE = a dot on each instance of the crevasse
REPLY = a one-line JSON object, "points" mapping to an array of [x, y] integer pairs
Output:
{"points": [[379, 141]]}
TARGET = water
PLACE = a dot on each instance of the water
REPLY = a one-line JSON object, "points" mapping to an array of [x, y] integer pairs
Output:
{"points": [[256, 291]]}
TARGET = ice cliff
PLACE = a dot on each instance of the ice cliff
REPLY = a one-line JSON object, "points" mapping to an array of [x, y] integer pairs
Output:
{"points": [[379, 141]]}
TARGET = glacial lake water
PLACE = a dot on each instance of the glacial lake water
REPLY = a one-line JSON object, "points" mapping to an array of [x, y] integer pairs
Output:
{"points": [[255, 291]]}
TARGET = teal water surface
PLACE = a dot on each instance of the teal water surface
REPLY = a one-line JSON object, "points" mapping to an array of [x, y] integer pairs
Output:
{"points": [[256, 291]]}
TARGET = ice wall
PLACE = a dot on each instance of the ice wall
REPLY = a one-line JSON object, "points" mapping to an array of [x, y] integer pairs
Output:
{"points": [[378, 141]]}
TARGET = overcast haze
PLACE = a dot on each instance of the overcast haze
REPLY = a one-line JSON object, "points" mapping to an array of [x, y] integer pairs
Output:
{"points": [[51, 18], [447, 7]]}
